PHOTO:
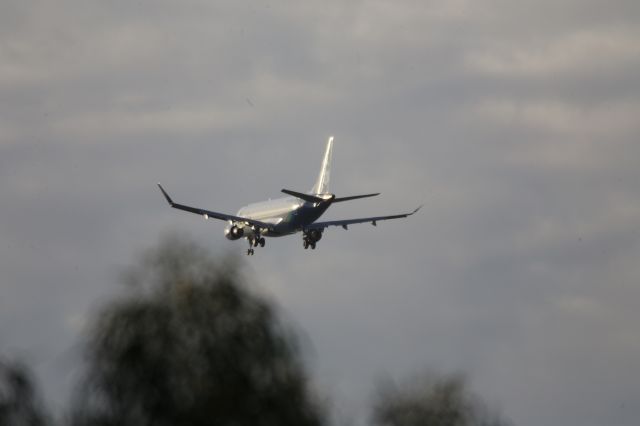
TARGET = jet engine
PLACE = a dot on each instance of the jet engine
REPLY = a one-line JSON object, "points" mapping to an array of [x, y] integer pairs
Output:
{"points": [[233, 232]]}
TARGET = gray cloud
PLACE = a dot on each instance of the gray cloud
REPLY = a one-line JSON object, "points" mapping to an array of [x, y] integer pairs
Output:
{"points": [[513, 122]]}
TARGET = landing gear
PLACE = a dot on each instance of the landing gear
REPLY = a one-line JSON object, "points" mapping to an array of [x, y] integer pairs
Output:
{"points": [[255, 242], [310, 238]]}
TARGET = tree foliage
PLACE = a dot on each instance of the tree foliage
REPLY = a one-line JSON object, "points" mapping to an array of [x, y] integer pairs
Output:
{"points": [[430, 399], [19, 403], [189, 344]]}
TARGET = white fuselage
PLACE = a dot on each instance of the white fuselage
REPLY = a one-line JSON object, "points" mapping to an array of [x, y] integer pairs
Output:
{"points": [[288, 215], [272, 211]]}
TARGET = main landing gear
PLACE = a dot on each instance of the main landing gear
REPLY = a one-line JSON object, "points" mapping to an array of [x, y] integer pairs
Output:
{"points": [[254, 242]]}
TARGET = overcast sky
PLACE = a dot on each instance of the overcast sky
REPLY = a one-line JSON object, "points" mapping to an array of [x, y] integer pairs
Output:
{"points": [[515, 123]]}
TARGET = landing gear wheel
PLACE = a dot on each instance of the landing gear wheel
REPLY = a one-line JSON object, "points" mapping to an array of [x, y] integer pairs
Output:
{"points": [[262, 242], [250, 252], [311, 237]]}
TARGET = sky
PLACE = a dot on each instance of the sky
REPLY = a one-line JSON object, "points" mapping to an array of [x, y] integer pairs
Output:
{"points": [[516, 124]]}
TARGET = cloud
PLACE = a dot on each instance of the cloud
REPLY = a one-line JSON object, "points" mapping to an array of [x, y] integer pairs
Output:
{"points": [[514, 123], [196, 119], [595, 51], [563, 118]]}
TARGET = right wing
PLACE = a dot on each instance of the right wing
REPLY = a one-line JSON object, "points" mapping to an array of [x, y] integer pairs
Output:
{"points": [[344, 223], [208, 213]]}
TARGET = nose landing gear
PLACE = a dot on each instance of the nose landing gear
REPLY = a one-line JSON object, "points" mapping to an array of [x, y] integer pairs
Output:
{"points": [[254, 242]]}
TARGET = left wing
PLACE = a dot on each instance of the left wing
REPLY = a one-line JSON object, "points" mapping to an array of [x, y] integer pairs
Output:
{"points": [[345, 223], [208, 213]]}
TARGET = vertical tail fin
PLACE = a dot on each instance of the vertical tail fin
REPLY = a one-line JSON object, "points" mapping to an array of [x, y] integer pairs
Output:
{"points": [[322, 184]]}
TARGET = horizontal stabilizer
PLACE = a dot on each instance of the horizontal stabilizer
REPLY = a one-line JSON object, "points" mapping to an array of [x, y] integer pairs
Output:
{"points": [[354, 197], [302, 196]]}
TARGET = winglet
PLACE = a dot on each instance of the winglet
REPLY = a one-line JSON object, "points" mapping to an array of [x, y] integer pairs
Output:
{"points": [[415, 211], [169, 200]]}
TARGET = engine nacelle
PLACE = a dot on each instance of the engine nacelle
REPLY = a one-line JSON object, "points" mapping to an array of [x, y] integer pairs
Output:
{"points": [[314, 235], [233, 232]]}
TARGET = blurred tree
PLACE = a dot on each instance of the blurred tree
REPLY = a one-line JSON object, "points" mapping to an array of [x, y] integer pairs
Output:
{"points": [[191, 345], [19, 404], [431, 400]]}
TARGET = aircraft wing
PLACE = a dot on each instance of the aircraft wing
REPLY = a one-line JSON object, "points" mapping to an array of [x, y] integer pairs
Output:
{"points": [[346, 222], [208, 213]]}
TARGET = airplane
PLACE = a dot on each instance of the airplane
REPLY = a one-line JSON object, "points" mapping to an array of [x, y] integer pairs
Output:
{"points": [[290, 215]]}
